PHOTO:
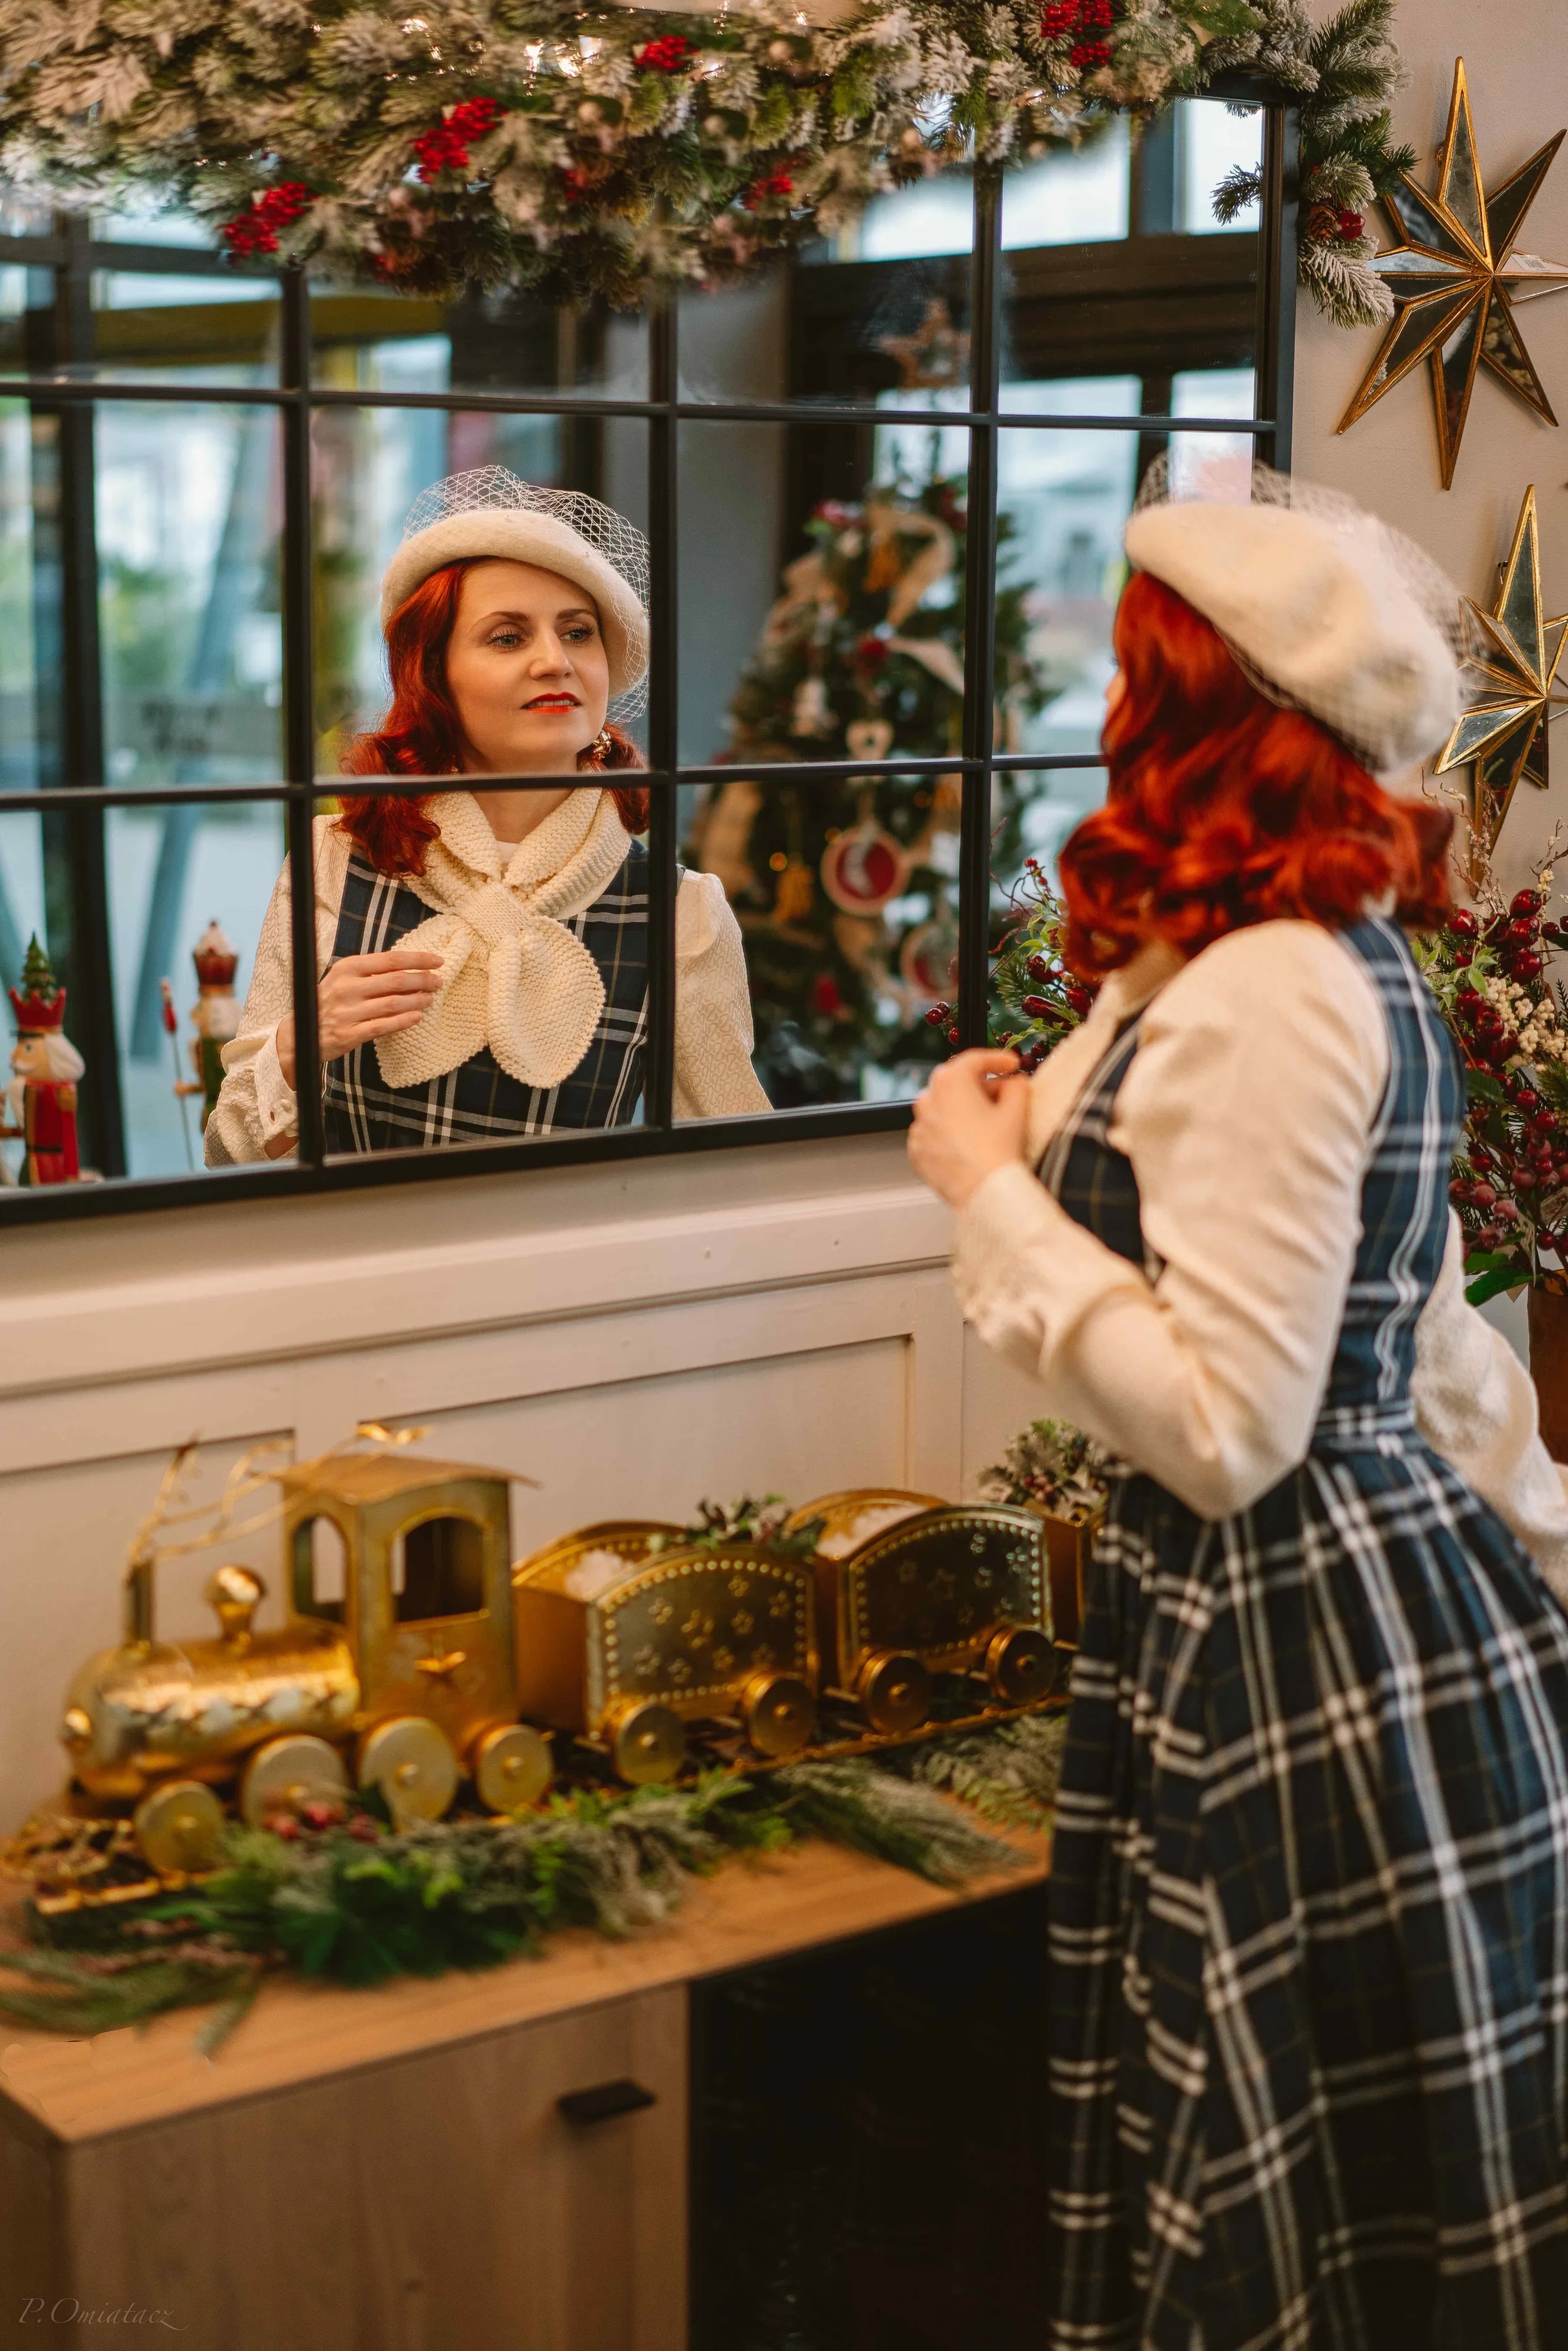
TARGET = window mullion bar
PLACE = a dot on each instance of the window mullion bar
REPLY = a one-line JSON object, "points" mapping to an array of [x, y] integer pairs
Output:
{"points": [[979, 615], [658, 1084], [299, 708], [81, 828], [1276, 364]]}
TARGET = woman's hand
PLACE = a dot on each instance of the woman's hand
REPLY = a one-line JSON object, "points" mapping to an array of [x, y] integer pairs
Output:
{"points": [[364, 996], [971, 1119]]}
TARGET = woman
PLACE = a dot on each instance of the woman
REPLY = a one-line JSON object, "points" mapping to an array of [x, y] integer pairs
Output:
{"points": [[483, 954], [1309, 1959]]}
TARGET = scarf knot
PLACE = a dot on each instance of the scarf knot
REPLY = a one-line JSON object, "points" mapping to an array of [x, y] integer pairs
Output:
{"points": [[513, 977]]}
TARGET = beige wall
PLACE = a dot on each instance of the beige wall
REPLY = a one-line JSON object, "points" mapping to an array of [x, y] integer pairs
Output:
{"points": [[1516, 56]]}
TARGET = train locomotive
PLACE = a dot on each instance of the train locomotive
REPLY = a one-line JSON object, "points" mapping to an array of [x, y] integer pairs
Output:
{"points": [[414, 1656]]}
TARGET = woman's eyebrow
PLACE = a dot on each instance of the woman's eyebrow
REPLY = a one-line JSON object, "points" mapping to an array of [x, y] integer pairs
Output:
{"points": [[566, 613]]}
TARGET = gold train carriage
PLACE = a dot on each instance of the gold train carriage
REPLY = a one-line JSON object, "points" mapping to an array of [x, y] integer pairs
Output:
{"points": [[414, 1656]]}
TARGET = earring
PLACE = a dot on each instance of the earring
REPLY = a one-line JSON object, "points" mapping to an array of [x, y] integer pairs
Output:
{"points": [[601, 745]]}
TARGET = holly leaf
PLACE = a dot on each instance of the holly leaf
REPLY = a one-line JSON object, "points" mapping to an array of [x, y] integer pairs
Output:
{"points": [[1494, 1272], [1480, 1085]]}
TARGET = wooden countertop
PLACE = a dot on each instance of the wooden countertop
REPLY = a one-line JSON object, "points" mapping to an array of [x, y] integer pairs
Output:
{"points": [[67, 2092]]}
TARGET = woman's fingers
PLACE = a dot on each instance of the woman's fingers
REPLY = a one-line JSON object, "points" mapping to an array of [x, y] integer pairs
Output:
{"points": [[353, 987], [384, 1025], [391, 959]]}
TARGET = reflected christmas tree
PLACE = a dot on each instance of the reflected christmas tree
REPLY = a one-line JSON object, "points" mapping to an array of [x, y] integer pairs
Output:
{"points": [[847, 891]]}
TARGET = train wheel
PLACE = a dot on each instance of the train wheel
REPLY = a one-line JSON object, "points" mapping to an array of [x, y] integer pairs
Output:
{"points": [[511, 1766], [647, 1741], [180, 1826], [1018, 1664], [779, 1713], [894, 1691], [297, 1769], [410, 1760]]}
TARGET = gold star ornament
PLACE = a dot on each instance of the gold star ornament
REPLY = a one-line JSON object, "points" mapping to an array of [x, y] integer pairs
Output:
{"points": [[1515, 654], [1457, 282]]}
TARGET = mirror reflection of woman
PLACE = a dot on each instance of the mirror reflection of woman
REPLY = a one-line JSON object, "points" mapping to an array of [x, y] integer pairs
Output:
{"points": [[483, 954]]}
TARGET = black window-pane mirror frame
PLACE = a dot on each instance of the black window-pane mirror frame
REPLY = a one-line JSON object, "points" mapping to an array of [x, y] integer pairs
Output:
{"points": [[73, 797]]}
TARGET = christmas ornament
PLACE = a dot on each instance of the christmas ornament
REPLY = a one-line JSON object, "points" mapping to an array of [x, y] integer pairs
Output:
{"points": [[865, 867], [41, 1099], [483, 143], [792, 901], [1456, 280], [868, 739], [1517, 653], [928, 959]]}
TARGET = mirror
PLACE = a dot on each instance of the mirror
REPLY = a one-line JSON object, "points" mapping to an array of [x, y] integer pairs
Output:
{"points": [[828, 423]]}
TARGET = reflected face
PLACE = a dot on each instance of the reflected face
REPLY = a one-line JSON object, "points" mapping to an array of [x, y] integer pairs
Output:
{"points": [[527, 670]]}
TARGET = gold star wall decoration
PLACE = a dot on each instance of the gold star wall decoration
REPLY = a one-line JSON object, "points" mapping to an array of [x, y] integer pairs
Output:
{"points": [[1457, 282], [1515, 652]]}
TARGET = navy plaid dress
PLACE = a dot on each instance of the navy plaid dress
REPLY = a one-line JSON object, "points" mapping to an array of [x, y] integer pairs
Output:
{"points": [[1310, 1893], [479, 1101]]}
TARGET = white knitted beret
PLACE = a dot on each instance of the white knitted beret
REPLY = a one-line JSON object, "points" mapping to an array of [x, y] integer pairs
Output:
{"points": [[1325, 607], [490, 512]]}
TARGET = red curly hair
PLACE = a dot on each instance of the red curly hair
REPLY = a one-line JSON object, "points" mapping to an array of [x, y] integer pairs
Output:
{"points": [[1223, 810], [422, 735]]}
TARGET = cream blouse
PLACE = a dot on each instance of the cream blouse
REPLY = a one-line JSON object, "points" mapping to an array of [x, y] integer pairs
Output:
{"points": [[1245, 1113], [714, 1077]]}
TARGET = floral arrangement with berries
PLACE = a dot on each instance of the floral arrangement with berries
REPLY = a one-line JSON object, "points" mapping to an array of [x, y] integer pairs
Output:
{"points": [[765, 1523], [1488, 969], [1052, 1467], [576, 152]]}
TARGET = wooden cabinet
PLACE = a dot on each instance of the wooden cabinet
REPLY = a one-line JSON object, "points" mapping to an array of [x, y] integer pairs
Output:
{"points": [[438, 2201], [395, 2170]]}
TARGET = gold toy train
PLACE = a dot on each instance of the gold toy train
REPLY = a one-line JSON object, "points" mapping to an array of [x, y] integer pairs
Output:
{"points": [[415, 1654]]}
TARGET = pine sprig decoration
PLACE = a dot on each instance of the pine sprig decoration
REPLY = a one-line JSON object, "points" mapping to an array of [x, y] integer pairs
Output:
{"points": [[1345, 70], [532, 143], [1009, 1775], [356, 1905]]}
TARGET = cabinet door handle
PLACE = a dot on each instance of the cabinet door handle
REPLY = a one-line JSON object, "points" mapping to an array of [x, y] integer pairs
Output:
{"points": [[605, 2098]]}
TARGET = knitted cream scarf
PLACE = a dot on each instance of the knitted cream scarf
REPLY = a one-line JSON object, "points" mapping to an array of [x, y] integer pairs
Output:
{"points": [[513, 977]]}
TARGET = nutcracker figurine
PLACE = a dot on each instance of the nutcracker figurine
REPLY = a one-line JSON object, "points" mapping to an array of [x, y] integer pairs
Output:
{"points": [[41, 1099], [214, 1016]]}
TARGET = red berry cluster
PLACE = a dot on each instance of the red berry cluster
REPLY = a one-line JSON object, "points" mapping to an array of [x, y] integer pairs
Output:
{"points": [[255, 232], [870, 653], [1082, 23], [317, 1813], [773, 183], [574, 184], [667, 55], [446, 149], [941, 1015], [1351, 225], [1516, 1162]]}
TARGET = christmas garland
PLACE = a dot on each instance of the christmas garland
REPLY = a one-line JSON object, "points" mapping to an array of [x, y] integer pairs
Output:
{"points": [[539, 145], [353, 1903]]}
